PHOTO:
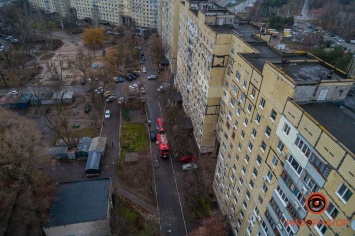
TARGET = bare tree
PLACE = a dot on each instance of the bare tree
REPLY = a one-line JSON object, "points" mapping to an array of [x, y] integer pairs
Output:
{"points": [[215, 225]]}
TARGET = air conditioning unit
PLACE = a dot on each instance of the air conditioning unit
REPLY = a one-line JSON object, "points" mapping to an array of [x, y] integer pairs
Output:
{"points": [[283, 154], [266, 179], [297, 206], [279, 226], [259, 218], [305, 190]]}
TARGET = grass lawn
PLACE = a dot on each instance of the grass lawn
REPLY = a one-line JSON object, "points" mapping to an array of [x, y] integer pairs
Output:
{"points": [[90, 131], [134, 137]]}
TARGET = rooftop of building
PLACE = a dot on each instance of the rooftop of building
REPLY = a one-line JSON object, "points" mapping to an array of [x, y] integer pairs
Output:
{"points": [[81, 201], [337, 118], [301, 67]]}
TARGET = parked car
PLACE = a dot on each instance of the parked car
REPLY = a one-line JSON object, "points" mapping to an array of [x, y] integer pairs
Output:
{"points": [[153, 136], [187, 159], [144, 70], [107, 114], [82, 81], [152, 77], [133, 76], [110, 98], [136, 73], [189, 166], [129, 78], [120, 100], [13, 92], [39, 76], [94, 65], [163, 87]]}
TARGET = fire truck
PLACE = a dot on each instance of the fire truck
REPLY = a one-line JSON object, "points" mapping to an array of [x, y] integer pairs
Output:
{"points": [[163, 146], [160, 125]]}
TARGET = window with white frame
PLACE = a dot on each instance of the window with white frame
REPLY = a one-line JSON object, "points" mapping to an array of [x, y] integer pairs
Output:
{"points": [[258, 160], [224, 147], [295, 165], [249, 107], [264, 188], [237, 75], [238, 111], [265, 228], [249, 230], [246, 159], [280, 146], [230, 63], [245, 205], [234, 89], [240, 180], [242, 97], [247, 194], [273, 115], [344, 193], [252, 92], [274, 161], [331, 211], [321, 228], [239, 146], [239, 222], [253, 133], [238, 190], [231, 146], [310, 183], [251, 184], [244, 83], [232, 50], [322, 167], [286, 129], [243, 170], [268, 131], [269, 175], [234, 168], [282, 195], [303, 147], [235, 199], [230, 115], [255, 172], [256, 211], [237, 158], [232, 102], [257, 118], [263, 146], [250, 146], [232, 178], [245, 121], [241, 214], [260, 199], [228, 75], [242, 134], [262, 103]]}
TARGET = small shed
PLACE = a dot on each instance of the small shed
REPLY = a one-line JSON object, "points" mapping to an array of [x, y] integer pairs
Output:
{"points": [[68, 97], [43, 99], [24, 100], [92, 167], [82, 151], [98, 144], [57, 97], [71, 154], [60, 152]]}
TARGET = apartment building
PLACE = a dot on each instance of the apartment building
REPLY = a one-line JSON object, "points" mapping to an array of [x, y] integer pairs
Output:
{"points": [[60, 6], [109, 10], [169, 29], [204, 41]]}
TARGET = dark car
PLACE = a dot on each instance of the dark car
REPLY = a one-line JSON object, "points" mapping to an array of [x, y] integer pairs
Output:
{"points": [[136, 74], [82, 81], [129, 78], [143, 59], [153, 136], [133, 76]]}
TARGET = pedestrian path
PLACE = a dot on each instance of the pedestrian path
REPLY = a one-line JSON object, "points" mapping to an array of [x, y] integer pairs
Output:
{"points": [[141, 203]]}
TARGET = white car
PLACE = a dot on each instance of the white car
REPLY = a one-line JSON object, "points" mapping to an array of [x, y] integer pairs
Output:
{"points": [[189, 166], [163, 87], [107, 114], [152, 77], [144, 70], [13, 92]]}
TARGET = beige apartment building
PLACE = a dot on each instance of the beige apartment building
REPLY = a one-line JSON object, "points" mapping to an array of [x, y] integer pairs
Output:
{"points": [[280, 128], [169, 29]]}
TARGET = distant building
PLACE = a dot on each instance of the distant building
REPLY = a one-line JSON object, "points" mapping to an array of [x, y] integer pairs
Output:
{"points": [[81, 208]]}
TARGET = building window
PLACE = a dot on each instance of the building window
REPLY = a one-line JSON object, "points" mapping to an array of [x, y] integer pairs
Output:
{"points": [[264, 188], [244, 84], [262, 103], [295, 165], [232, 178], [269, 175], [241, 214], [331, 211], [265, 228], [245, 121], [253, 133], [321, 229], [273, 115], [240, 180], [234, 168], [310, 183], [228, 75], [257, 118], [249, 107], [280, 146], [263, 146], [234, 89], [286, 129], [250, 146], [232, 102], [322, 168], [247, 195], [243, 170], [239, 222], [232, 50], [238, 111], [274, 161], [237, 75], [256, 211], [245, 205], [282, 195], [239, 146], [237, 158], [344, 193], [242, 134], [255, 172], [303, 147], [252, 93], [246, 159], [238, 190], [230, 115], [251, 184], [260, 199], [268, 131], [258, 160]]}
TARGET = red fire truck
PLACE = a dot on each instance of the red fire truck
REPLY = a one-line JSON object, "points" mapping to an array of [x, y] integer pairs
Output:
{"points": [[163, 146], [160, 125]]}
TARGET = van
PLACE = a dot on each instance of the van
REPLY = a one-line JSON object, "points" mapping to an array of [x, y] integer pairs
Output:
{"points": [[152, 76]]}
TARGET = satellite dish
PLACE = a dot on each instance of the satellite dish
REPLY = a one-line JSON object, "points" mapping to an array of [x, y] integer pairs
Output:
{"points": [[353, 224]]}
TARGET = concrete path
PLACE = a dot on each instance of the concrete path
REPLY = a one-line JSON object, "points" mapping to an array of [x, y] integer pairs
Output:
{"points": [[141, 203]]}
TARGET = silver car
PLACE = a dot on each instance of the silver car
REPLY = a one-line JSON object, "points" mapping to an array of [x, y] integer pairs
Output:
{"points": [[189, 166]]}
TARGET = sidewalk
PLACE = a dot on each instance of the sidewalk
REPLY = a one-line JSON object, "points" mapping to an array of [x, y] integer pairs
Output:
{"points": [[141, 203]]}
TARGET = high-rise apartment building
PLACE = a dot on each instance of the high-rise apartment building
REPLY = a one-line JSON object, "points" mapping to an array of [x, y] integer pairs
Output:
{"points": [[169, 29], [281, 131], [143, 13]]}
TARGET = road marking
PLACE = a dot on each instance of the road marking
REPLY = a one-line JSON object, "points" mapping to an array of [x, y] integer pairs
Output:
{"points": [[177, 189], [161, 114]]}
